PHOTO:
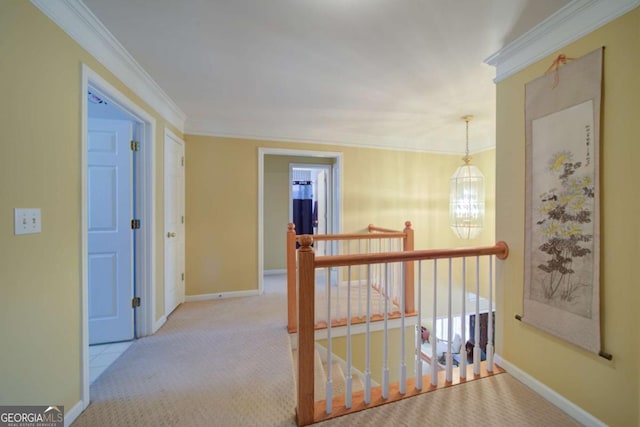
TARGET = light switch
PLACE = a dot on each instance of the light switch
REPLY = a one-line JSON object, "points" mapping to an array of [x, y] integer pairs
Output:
{"points": [[27, 221]]}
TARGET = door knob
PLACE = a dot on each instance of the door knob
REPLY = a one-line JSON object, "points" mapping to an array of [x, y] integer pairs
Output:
{"points": [[171, 234]]}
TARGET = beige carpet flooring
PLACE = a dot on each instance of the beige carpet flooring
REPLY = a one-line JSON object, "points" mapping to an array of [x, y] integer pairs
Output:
{"points": [[229, 363]]}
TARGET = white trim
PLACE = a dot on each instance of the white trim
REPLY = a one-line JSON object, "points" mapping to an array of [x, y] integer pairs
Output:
{"points": [[221, 295], [87, 30], [275, 272], [575, 20], [71, 415], [146, 250], [84, 240], [159, 323], [555, 398], [337, 194], [261, 220]]}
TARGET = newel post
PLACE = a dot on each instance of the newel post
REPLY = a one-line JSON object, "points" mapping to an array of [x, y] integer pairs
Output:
{"points": [[409, 289], [291, 278], [306, 330]]}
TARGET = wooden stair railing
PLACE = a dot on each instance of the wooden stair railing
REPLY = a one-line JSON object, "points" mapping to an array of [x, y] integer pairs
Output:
{"points": [[307, 410], [375, 233]]}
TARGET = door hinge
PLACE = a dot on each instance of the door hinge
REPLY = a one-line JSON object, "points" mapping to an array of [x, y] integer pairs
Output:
{"points": [[135, 145], [135, 302], [182, 161], [135, 224], [183, 277], [182, 219]]}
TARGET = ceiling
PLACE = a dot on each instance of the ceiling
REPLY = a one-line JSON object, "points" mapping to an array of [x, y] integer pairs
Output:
{"points": [[377, 73]]}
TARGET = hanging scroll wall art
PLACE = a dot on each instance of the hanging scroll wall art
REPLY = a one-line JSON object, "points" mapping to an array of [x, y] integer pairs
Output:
{"points": [[562, 132]]}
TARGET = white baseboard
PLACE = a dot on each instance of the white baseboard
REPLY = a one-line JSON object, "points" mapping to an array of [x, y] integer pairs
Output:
{"points": [[275, 272], [158, 324], [221, 295], [564, 404], [73, 413]]}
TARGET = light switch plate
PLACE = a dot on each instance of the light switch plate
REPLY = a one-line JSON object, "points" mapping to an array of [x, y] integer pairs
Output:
{"points": [[27, 221]]}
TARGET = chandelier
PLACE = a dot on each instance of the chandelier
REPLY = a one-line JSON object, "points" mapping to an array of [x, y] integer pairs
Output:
{"points": [[466, 197]]}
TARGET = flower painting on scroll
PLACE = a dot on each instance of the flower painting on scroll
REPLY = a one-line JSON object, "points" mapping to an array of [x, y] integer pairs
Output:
{"points": [[563, 208]]}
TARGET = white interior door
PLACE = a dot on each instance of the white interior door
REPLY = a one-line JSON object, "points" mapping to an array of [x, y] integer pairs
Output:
{"points": [[174, 237], [110, 237]]}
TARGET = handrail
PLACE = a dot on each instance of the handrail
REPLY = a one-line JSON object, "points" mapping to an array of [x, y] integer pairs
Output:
{"points": [[373, 228], [354, 236], [500, 250]]}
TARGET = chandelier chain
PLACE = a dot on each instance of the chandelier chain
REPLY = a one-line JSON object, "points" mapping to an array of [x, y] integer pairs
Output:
{"points": [[467, 150], [467, 157]]}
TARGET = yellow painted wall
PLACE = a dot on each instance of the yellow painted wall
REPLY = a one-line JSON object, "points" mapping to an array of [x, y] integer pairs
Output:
{"points": [[40, 287], [608, 390], [379, 186], [276, 206]]}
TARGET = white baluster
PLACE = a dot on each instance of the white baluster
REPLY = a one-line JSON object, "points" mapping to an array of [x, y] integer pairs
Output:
{"points": [[348, 377], [367, 355], [338, 309], [476, 347], [329, 349], [388, 274], [391, 276], [380, 279], [490, 319], [449, 357], [400, 266], [463, 329], [320, 297], [395, 276], [418, 358], [338, 280], [385, 363], [360, 282], [403, 365], [434, 339]]}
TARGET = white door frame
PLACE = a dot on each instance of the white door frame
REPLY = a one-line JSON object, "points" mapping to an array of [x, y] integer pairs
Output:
{"points": [[168, 134], [336, 215], [145, 202]]}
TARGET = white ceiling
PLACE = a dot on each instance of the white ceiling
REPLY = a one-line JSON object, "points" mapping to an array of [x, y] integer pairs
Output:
{"points": [[376, 73]]}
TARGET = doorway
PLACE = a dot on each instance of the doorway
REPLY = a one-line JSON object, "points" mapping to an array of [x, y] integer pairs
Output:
{"points": [[104, 203], [310, 200], [275, 233]]}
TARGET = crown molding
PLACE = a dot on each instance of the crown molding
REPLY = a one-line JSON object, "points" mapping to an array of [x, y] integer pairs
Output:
{"points": [[302, 140], [85, 28], [575, 20], [204, 127]]}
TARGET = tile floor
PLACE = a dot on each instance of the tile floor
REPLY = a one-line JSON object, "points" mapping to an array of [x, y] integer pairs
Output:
{"points": [[103, 355]]}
